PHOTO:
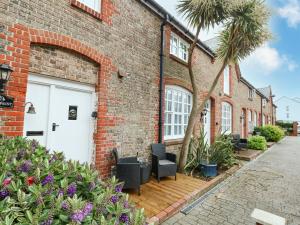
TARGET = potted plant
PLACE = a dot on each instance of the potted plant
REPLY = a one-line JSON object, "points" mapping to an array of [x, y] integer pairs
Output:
{"points": [[208, 167], [199, 157]]}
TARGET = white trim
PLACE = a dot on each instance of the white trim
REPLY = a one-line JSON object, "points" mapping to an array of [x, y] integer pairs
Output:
{"points": [[226, 79], [182, 114], [179, 42], [95, 6], [226, 118], [55, 83]]}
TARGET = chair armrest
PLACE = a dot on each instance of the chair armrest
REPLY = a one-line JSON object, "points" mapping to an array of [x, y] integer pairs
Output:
{"points": [[128, 160], [171, 157]]}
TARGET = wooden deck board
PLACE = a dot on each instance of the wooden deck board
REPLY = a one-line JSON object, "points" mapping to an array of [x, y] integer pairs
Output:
{"points": [[156, 197]]}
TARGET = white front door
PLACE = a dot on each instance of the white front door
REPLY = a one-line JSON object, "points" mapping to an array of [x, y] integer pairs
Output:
{"points": [[63, 119], [207, 122]]}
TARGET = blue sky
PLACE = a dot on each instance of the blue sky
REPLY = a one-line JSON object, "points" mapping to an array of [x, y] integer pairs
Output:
{"points": [[277, 63]]}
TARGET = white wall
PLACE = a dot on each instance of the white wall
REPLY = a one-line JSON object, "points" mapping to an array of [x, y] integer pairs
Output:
{"points": [[288, 109]]}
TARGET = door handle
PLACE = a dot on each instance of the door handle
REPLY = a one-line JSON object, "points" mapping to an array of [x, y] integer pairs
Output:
{"points": [[54, 125]]}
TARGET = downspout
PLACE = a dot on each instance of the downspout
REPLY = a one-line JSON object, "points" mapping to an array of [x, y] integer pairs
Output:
{"points": [[161, 79], [261, 112]]}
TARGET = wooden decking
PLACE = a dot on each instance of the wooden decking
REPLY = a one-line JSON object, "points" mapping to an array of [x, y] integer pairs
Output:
{"points": [[163, 197]]}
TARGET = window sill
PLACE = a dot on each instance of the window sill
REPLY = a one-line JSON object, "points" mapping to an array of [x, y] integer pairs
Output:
{"points": [[227, 95], [175, 58], [173, 142], [86, 9]]}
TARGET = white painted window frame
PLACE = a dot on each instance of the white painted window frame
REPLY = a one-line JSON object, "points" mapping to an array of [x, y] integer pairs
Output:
{"points": [[226, 81], [179, 47], [93, 4], [250, 122], [264, 102], [183, 111], [227, 111], [255, 119]]}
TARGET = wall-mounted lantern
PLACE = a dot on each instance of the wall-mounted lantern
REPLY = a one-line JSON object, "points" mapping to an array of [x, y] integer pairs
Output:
{"points": [[242, 117], [31, 109], [203, 114], [5, 72]]}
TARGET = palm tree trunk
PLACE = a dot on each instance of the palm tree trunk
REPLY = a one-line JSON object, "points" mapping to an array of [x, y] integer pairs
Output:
{"points": [[194, 115]]}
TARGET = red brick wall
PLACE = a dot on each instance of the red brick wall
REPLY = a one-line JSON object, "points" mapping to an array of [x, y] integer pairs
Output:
{"points": [[22, 37]]}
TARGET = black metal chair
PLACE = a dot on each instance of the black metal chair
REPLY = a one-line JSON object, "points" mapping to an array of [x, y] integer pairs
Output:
{"points": [[238, 142], [128, 170], [163, 163]]}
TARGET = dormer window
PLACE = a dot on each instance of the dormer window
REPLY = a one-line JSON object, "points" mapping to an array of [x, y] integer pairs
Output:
{"points": [[264, 102], [178, 47], [251, 93], [226, 85], [93, 4]]}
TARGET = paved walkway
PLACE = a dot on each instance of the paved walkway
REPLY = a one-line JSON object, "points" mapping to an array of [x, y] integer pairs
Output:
{"points": [[270, 183]]}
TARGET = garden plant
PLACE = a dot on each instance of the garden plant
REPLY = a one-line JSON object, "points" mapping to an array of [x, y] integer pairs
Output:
{"points": [[271, 132], [221, 152], [41, 188], [257, 143]]}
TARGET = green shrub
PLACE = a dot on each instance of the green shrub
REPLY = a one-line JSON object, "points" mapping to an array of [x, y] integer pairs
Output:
{"points": [[272, 133], [257, 143], [42, 188], [221, 152]]}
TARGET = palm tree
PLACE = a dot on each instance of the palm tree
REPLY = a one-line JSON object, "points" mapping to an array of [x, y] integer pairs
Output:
{"points": [[245, 28]]}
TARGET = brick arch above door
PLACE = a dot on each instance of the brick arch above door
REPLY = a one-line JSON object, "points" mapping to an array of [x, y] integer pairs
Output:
{"points": [[17, 55]]}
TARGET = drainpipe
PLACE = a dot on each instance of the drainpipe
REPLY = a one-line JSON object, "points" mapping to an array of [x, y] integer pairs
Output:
{"points": [[161, 79], [261, 112]]}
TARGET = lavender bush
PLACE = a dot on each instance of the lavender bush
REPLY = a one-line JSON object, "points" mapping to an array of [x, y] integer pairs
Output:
{"points": [[39, 188]]}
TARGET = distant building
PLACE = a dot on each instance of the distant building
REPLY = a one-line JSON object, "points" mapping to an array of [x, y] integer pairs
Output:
{"points": [[288, 109]]}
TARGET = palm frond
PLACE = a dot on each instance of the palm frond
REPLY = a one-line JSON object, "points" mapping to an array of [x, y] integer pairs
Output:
{"points": [[209, 12], [245, 30]]}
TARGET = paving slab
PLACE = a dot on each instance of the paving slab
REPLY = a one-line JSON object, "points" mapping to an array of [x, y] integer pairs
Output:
{"points": [[270, 183]]}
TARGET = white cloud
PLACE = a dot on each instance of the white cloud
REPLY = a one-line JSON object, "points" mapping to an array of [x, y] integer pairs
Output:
{"points": [[266, 60], [291, 12]]}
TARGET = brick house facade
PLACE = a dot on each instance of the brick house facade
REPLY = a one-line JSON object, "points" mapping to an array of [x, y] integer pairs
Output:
{"points": [[115, 51]]}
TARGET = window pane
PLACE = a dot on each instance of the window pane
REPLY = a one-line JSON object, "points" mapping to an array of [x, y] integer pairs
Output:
{"points": [[93, 4], [226, 81]]}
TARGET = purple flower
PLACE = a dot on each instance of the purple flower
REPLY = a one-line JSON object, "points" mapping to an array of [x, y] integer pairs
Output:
{"points": [[34, 145], [39, 201], [4, 193], [21, 154], [88, 209], [78, 216], [79, 177], [114, 199], [72, 190], [124, 218], [118, 188], [65, 206], [61, 192], [26, 167], [48, 179], [47, 222], [126, 205], [92, 186], [53, 159]]}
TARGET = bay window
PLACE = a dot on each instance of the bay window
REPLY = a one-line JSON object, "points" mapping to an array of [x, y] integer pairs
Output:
{"points": [[178, 106], [226, 118]]}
